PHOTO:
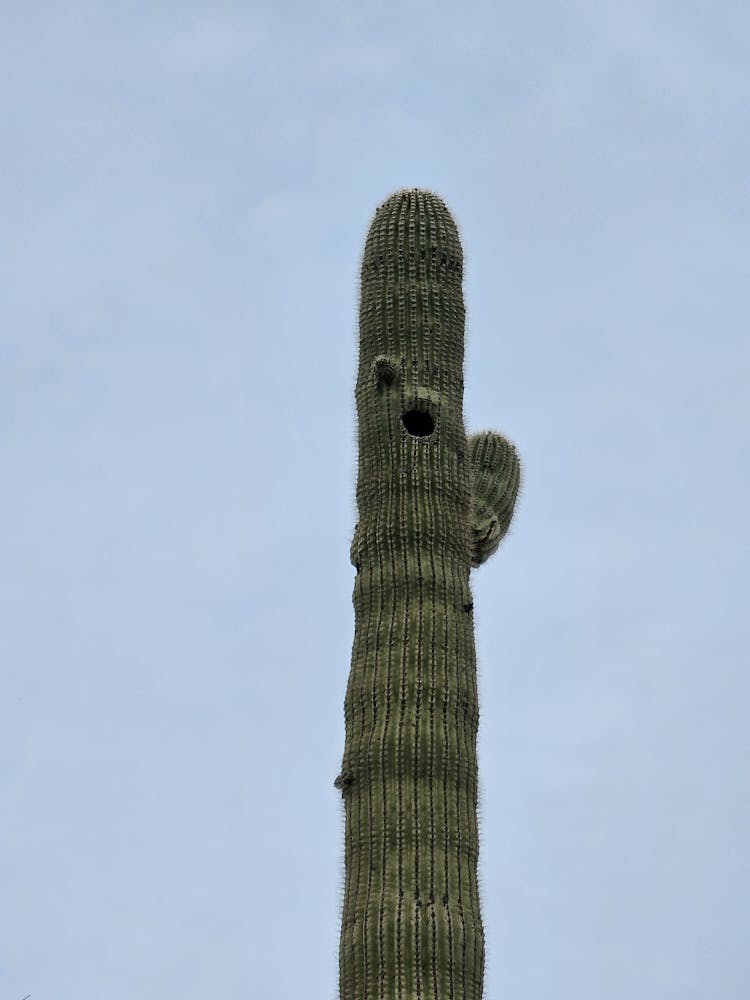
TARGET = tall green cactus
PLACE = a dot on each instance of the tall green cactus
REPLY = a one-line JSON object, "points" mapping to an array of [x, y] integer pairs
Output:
{"points": [[432, 504]]}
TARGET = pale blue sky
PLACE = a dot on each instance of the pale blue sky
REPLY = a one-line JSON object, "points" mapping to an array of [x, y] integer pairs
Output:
{"points": [[185, 195]]}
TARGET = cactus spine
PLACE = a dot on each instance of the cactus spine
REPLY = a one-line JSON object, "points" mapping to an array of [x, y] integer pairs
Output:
{"points": [[432, 503]]}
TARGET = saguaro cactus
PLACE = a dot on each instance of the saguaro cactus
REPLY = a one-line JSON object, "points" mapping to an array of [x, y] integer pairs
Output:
{"points": [[432, 504]]}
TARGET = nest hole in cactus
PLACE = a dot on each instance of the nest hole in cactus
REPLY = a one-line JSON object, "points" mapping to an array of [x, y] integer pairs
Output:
{"points": [[418, 423]]}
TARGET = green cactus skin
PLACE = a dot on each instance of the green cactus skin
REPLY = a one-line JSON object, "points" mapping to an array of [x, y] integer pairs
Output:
{"points": [[432, 503]]}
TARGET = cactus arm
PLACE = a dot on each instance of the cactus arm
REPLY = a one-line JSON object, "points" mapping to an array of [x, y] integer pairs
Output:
{"points": [[496, 478]]}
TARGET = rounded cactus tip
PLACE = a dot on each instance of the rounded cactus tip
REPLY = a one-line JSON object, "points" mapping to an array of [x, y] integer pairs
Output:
{"points": [[414, 216], [412, 196]]}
